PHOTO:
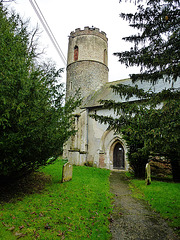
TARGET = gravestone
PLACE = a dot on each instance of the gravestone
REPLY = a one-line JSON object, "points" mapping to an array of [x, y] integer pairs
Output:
{"points": [[67, 172], [148, 174]]}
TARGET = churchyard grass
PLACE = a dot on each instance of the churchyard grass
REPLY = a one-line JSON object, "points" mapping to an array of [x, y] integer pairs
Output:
{"points": [[164, 197], [78, 209]]}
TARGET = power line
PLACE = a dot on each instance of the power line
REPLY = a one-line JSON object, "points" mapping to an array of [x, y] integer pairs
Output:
{"points": [[48, 30]]}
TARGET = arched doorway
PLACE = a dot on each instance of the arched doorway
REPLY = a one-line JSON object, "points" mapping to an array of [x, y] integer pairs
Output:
{"points": [[118, 156]]}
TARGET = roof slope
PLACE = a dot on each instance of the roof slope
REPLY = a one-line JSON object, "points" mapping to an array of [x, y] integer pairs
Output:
{"points": [[106, 92]]}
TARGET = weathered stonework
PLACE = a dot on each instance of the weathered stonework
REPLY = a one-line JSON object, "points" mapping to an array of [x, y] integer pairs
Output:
{"points": [[87, 31], [102, 160], [95, 144], [87, 65], [86, 76], [67, 172], [148, 174]]}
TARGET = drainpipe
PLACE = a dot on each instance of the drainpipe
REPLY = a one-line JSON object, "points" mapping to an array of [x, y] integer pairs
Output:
{"points": [[87, 115]]}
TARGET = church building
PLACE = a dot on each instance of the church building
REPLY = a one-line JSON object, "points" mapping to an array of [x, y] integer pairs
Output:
{"points": [[87, 71]]}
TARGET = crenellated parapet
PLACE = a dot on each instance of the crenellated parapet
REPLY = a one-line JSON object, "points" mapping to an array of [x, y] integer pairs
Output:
{"points": [[89, 31]]}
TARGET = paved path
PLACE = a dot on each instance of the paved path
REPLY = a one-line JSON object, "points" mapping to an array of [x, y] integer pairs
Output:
{"points": [[132, 219]]}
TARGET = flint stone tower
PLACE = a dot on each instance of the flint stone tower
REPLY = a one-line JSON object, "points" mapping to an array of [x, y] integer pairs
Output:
{"points": [[87, 64]]}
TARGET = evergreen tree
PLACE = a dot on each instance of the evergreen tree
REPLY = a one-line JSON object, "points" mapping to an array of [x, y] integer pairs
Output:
{"points": [[152, 124], [34, 124], [156, 45]]}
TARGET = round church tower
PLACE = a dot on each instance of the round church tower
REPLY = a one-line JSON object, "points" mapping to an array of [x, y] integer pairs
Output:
{"points": [[87, 64]]}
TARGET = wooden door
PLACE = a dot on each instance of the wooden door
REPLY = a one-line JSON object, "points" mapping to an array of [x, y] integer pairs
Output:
{"points": [[118, 156]]}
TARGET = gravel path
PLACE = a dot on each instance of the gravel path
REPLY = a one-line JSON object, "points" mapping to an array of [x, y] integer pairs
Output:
{"points": [[133, 218]]}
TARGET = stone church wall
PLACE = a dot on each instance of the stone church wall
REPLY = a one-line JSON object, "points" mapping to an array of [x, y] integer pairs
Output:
{"points": [[94, 143], [102, 142]]}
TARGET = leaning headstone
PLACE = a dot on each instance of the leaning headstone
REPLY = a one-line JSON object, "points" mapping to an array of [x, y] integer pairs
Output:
{"points": [[67, 172], [148, 174]]}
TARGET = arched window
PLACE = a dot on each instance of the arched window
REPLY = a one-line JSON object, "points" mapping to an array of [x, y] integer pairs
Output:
{"points": [[105, 56], [76, 53]]}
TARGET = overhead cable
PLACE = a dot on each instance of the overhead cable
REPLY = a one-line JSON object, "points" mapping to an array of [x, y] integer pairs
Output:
{"points": [[48, 30]]}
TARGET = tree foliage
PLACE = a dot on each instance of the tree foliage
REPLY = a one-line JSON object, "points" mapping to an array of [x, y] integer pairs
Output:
{"points": [[156, 45], [34, 123], [150, 125]]}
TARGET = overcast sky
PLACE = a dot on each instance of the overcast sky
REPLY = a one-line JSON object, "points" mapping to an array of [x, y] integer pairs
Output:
{"points": [[64, 16]]}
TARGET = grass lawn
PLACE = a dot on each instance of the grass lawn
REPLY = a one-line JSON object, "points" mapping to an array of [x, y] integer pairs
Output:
{"points": [[78, 209], [164, 197]]}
